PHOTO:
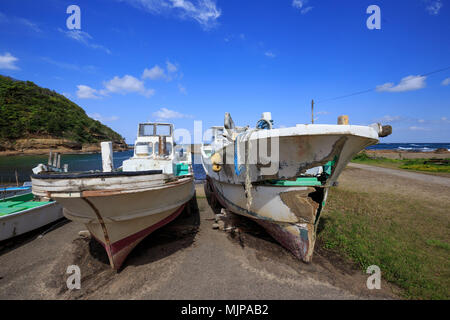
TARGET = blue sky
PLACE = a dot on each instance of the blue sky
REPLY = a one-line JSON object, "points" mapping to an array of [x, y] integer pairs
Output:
{"points": [[180, 61]]}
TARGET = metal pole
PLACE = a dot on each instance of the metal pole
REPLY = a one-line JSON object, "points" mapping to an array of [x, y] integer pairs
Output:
{"points": [[312, 111]]}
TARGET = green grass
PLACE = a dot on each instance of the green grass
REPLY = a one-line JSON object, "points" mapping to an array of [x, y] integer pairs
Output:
{"points": [[408, 239], [423, 165]]}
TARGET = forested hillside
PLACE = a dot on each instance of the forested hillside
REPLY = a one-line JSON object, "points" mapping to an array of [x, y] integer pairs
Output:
{"points": [[29, 111]]}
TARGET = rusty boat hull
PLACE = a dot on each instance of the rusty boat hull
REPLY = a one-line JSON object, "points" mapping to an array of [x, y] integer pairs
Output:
{"points": [[283, 188], [119, 209]]}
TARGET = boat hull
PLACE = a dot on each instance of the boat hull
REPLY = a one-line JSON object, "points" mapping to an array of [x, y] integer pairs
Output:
{"points": [[280, 177], [120, 218], [288, 153], [289, 214], [25, 221]]}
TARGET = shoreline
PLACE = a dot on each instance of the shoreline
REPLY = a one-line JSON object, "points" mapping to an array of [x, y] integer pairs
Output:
{"points": [[385, 153], [40, 152]]}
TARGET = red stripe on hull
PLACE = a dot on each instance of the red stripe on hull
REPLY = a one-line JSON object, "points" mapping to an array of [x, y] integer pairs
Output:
{"points": [[119, 250]]}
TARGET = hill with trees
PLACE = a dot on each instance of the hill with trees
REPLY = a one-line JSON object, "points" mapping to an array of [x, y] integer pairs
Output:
{"points": [[36, 118]]}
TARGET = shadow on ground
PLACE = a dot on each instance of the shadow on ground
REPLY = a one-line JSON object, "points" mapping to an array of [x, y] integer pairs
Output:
{"points": [[91, 257], [18, 241]]}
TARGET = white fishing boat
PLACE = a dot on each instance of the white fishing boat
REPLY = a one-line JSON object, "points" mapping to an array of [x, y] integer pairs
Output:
{"points": [[280, 177], [122, 207], [22, 213]]}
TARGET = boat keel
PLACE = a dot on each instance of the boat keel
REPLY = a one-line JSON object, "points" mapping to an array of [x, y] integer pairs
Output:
{"points": [[119, 250], [298, 239]]}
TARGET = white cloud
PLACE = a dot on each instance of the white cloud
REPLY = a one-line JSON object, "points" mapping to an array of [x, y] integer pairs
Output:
{"points": [[67, 95], [434, 7], [19, 21], [418, 128], [69, 66], [322, 112], [86, 92], [389, 118], [408, 83], [298, 3], [270, 54], [126, 84], [164, 114], [171, 67], [182, 89], [306, 10], [154, 73], [84, 38], [8, 61], [301, 5], [204, 12], [33, 26], [99, 117], [446, 82]]}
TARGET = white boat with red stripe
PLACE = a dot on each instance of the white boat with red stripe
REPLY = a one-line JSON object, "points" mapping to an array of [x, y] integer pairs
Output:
{"points": [[122, 207]]}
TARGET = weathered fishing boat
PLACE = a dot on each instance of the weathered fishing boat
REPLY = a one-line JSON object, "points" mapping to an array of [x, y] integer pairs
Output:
{"points": [[280, 177], [22, 213], [122, 207]]}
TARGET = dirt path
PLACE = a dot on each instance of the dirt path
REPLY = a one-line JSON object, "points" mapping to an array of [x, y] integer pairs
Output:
{"points": [[425, 178], [186, 259]]}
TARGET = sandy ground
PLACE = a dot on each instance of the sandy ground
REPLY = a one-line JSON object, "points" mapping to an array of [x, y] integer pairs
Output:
{"points": [[186, 259]]}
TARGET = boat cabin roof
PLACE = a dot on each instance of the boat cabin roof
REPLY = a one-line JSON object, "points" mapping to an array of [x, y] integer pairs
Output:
{"points": [[150, 129]]}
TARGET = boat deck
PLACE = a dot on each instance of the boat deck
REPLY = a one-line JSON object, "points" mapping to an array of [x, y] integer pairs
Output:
{"points": [[19, 203]]}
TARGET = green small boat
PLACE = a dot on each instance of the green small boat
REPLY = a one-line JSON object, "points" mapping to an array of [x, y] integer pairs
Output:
{"points": [[22, 213]]}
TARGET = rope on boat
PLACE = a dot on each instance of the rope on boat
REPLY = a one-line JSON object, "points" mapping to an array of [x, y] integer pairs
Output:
{"points": [[248, 181]]}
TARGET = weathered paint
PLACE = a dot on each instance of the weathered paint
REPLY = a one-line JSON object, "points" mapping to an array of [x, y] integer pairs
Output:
{"points": [[119, 218], [287, 202]]}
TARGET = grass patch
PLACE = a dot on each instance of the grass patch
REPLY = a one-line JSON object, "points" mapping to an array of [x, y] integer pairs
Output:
{"points": [[406, 238], [425, 165]]}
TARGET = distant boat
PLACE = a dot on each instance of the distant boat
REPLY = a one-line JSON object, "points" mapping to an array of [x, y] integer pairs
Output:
{"points": [[12, 191], [121, 207], [22, 213], [280, 177]]}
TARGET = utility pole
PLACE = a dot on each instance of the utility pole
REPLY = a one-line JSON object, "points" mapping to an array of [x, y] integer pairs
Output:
{"points": [[312, 111]]}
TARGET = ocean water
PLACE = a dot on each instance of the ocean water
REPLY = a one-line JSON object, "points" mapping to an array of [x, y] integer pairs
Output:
{"points": [[23, 164], [84, 162], [415, 147]]}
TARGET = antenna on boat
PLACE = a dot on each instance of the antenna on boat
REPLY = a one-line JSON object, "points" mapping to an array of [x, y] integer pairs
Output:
{"points": [[312, 111]]}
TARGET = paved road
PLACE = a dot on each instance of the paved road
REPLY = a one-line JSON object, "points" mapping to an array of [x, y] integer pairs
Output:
{"points": [[426, 178], [186, 259]]}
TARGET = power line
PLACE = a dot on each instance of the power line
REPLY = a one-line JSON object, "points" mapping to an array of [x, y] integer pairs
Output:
{"points": [[372, 89]]}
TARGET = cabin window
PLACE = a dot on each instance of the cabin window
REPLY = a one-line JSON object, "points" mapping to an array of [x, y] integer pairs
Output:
{"points": [[168, 149], [163, 130], [146, 130], [148, 144]]}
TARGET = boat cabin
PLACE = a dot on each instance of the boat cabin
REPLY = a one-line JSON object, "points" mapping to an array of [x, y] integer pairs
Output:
{"points": [[154, 149]]}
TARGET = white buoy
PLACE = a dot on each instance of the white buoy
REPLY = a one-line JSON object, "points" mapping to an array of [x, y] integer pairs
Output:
{"points": [[107, 156]]}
